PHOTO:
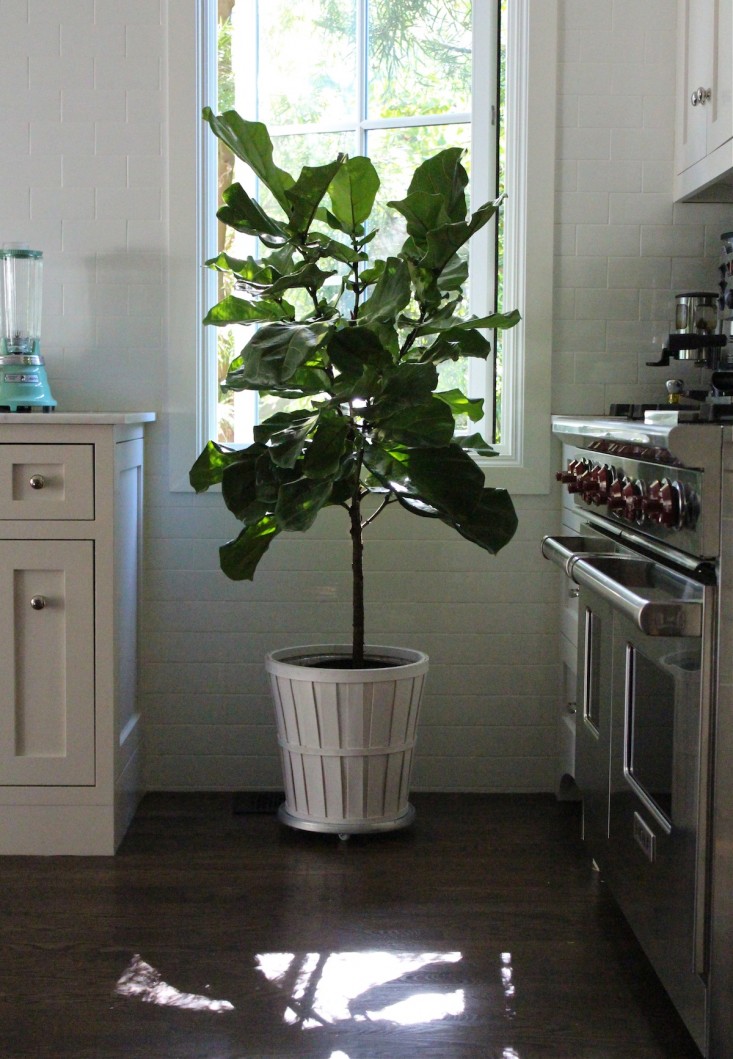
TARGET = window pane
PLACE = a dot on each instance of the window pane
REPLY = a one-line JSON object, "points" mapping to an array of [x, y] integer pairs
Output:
{"points": [[305, 59], [419, 57]]}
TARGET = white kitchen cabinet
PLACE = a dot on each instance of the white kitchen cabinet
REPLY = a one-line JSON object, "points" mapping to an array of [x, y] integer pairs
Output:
{"points": [[704, 152], [70, 553]]}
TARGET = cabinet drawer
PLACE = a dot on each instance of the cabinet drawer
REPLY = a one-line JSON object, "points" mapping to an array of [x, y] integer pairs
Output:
{"points": [[47, 482]]}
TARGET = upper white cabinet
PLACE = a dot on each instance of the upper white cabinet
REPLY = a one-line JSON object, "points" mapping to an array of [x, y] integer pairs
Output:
{"points": [[704, 155]]}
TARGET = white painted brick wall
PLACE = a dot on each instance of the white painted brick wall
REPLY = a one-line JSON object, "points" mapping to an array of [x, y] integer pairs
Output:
{"points": [[622, 247], [82, 122]]}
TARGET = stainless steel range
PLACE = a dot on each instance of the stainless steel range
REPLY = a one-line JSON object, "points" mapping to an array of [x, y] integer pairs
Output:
{"points": [[646, 560]]}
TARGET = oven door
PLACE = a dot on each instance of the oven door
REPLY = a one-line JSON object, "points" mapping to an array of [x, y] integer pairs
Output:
{"points": [[648, 684]]}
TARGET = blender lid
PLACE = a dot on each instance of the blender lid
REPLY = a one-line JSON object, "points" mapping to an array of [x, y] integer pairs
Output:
{"points": [[19, 250]]}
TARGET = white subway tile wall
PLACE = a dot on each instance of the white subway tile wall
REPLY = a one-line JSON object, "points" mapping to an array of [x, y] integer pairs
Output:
{"points": [[83, 177], [623, 248]]}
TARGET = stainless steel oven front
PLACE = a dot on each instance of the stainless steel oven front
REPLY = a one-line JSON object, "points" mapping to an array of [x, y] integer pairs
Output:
{"points": [[643, 749]]}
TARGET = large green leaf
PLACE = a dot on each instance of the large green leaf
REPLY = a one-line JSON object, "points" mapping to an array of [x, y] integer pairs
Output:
{"points": [[286, 433], [445, 478], [423, 212], [239, 558], [242, 213], [323, 457], [211, 464], [444, 242], [408, 383], [352, 192], [309, 277], [445, 177], [239, 484], [351, 349], [460, 405], [299, 502], [391, 293], [307, 193], [251, 142], [274, 354], [234, 310], [455, 343], [491, 524], [476, 443], [427, 424]]}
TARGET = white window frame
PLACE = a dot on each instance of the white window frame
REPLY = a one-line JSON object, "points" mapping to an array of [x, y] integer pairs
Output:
{"points": [[523, 466]]}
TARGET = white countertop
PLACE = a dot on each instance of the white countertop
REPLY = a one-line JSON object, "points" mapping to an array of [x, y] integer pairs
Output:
{"points": [[72, 418]]}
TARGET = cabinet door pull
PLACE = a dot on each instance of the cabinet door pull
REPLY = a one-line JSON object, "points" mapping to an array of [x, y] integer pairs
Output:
{"points": [[701, 96], [37, 481], [38, 602]]}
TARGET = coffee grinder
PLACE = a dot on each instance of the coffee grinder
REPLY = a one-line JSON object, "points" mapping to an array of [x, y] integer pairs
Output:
{"points": [[23, 382], [703, 333]]}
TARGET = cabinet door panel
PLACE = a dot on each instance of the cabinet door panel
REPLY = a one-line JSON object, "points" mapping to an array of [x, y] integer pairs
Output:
{"points": [[720, 118], [47, 663], [695, 28]]}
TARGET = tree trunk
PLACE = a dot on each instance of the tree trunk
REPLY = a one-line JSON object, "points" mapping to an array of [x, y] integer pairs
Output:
{"points": [[357, 570]]}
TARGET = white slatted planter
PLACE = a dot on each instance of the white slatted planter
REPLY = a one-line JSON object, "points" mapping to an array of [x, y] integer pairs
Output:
{"points": [[346, 736]]}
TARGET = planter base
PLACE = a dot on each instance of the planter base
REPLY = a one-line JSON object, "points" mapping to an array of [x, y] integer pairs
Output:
{"points": [[346, 827]]}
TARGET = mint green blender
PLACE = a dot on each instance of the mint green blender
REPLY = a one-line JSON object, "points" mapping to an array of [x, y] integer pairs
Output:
{"points": [[23, 382]]}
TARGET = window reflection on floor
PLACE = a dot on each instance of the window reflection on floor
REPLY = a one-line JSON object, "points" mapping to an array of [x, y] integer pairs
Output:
{"points": [[142, 981], [325, 988], [329, 988]]}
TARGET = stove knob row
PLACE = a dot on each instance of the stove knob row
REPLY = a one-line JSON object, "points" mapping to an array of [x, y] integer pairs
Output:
{"points": [[661, 502]]}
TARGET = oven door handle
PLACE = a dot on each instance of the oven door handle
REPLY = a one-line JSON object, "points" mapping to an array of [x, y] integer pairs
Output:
{"points": [[655, 617]]}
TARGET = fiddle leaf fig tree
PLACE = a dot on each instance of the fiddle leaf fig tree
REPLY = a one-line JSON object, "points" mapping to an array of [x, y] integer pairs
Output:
{"points": [[353, 343]]}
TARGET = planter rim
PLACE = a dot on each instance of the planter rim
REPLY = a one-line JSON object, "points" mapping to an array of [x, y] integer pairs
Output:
{"points": [[288, 661]]}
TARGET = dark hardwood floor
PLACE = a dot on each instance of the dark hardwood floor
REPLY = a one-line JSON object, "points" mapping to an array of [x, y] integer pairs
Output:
{"points": [[482, 931]]}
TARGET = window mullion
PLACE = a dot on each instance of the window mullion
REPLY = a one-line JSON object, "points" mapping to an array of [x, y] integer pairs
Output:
{"points": [[362, 46]]}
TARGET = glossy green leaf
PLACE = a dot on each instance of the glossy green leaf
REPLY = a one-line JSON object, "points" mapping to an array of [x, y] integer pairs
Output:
{"points": [[234, 310], [352, 192], [446, 478], [245, 215], [391, 293], [274, 354], [307, 193], [476, 443], [324, 455], [285, 434], [427, 424], [211, 464], [299, 502], [251, 142], [239, 558], [460, 405], [491, 524]]}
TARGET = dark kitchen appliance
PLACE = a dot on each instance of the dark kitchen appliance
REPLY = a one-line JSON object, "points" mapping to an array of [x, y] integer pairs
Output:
{"points": [[702, 332], [654, 724]]}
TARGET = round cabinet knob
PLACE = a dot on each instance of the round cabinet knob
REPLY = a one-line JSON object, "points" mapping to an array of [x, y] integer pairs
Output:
{"points": [[701, 96], [38, 602], [37, 481]]}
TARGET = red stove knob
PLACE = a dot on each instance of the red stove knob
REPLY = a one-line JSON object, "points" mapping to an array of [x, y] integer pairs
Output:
{"points": [[662, 505], [603, 480], [632, 494], [588, 484], [580, 469], [566, 477], [616, 500]]}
